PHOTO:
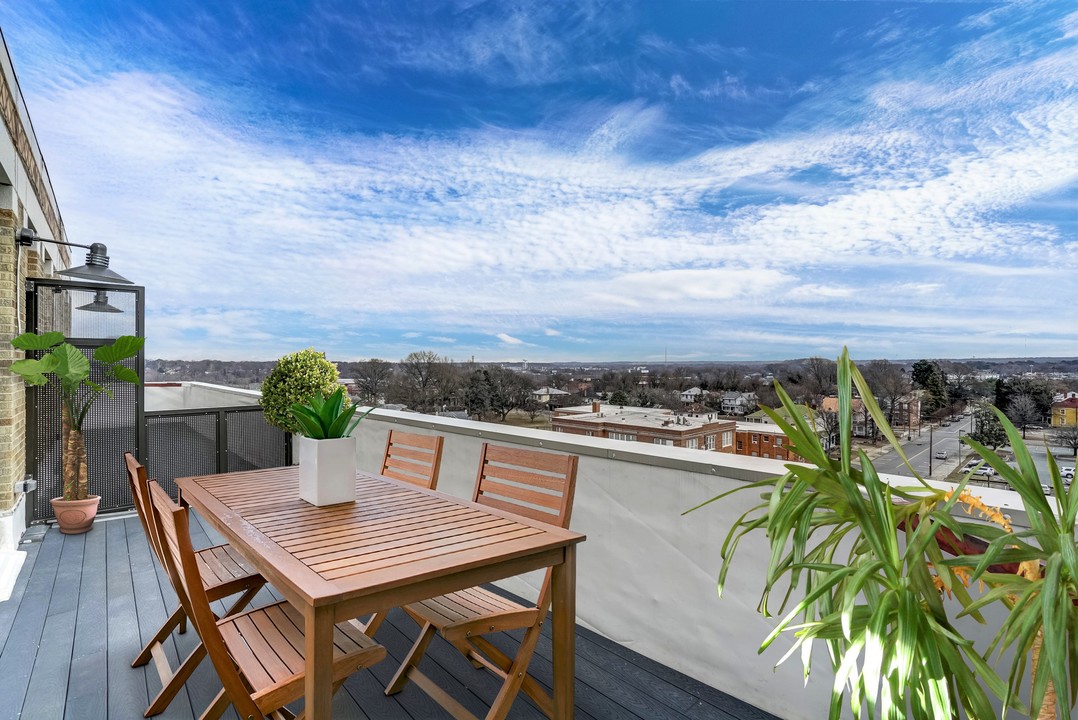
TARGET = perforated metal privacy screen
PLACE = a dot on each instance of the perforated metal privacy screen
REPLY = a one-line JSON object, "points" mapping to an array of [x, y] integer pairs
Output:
{"points": [[111, 426], [202, 442]]}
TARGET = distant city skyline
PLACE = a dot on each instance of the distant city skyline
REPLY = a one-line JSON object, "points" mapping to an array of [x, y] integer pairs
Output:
{"points": [[688, 181]]}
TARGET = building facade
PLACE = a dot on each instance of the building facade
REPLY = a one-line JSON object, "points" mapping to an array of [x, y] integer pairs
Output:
{"points": [[1065, 413], [656, 426], [26, 201]]}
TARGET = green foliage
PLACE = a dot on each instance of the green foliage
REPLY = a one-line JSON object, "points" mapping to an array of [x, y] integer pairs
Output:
{"points": [[1042, 600], [929, 376], [845, 580], [326, 418], [71, 368], [619, 398], [987, 429], [294, 379]]}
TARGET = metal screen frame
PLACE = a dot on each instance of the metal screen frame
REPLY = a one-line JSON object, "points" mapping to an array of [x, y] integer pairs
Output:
{"points": [[180, 443], [113, 426]]}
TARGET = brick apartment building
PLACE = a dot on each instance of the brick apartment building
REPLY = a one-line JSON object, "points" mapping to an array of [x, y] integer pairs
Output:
{"points": [[648, 425], [763, 440]]}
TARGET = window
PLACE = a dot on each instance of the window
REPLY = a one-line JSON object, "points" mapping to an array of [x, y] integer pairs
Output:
{"points": [[755, 439], [588, 433], [740, 445], [693, 443], [728, 438], [709, 442], [755, 454], [767, 438], [662, 441], [623, 436], [778, 442]]}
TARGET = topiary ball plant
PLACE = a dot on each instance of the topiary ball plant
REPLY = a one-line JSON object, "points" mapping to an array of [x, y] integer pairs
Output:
{"points": [[295, 379]]}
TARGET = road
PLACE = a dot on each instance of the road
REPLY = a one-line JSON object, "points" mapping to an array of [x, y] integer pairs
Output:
{"points": [[919, 449]]}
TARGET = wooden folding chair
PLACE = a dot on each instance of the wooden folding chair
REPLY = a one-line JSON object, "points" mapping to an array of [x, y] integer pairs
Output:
{"points": [[224, 573], [413, 459], [534, 484], [258, 654]]}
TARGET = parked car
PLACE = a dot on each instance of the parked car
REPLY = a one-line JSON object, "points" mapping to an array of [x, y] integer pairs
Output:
{"points": [[945, 423], [984, 470], [941, 454], [1067, 472]]}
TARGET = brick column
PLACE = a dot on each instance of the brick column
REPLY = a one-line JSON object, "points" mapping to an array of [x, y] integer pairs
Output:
{"points": [[12, 388]]}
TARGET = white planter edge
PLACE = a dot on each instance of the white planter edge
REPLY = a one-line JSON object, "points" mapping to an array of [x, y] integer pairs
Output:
{"points": [[327, 470]]}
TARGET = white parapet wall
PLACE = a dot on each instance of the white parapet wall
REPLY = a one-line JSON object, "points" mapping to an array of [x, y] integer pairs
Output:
{"points": [[196, 396], [647, 574]]}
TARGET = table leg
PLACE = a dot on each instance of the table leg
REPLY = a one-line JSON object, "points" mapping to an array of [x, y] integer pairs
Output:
{"points": [[318, 683], [563, 634]]}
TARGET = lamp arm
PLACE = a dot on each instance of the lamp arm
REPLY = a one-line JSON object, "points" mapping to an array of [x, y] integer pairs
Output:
{"points": [[27, 237]]}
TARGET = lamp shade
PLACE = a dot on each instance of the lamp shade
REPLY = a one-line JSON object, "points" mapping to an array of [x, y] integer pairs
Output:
{"points": [[100, 304], [96, 267]]}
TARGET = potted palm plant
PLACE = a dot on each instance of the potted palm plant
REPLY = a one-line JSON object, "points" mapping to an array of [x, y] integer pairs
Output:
{"points": [[862, 567], [327, 467], [75, 509]]}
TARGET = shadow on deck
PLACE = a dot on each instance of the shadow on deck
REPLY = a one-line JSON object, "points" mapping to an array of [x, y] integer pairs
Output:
{"points": [[83, 605]]}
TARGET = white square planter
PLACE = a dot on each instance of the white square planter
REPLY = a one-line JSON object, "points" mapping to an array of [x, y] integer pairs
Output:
{"points": [[327, 470]]}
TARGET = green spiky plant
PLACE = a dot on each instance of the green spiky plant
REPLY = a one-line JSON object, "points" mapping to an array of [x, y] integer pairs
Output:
{"points": [[68, 366], [876, 603], [326, 418]]}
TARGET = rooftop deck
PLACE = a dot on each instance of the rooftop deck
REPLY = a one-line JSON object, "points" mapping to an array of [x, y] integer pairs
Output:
{"points": [[84, 603]]}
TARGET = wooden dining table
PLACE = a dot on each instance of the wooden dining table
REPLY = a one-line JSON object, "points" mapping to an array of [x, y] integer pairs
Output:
{"points": [[394, 545]]}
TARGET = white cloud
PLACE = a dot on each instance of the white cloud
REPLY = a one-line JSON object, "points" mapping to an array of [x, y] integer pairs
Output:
{"points": [[918, 199], [509, 339]]}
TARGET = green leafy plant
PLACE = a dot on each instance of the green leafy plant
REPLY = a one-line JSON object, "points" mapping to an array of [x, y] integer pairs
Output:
{"points": [[68, 366], [1042, 626], [326, 418], [843, 578], [295, 378]]}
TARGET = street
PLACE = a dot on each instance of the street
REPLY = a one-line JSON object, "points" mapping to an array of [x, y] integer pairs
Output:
{"points": [[920, 449]]}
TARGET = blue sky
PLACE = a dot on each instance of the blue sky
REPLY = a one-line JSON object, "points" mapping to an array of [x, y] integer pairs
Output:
{"points": [[570, 181]]}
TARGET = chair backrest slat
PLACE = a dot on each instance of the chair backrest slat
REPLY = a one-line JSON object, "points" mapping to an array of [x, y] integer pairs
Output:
{"points": [[534, 484], [172, 520], [413, 458]]}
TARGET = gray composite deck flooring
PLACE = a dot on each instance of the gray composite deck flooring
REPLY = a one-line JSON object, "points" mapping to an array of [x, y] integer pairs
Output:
{"points": [[83, 605]]}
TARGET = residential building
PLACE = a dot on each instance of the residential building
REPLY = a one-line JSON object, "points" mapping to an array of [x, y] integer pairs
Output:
{"points": [[1065, 413], [693, 394], [27, 200], [762, 417], [738, 403], [765, 442], [548, 394], [656, 426], [863, 424]]}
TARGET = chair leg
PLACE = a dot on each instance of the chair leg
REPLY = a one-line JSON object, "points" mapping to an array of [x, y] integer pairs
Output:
{"points": [[515, 676], [466, 650], [244, 600], [217, 707], [412, 660], [178, 617], [172, 684], [372, 625], [500, 664]]}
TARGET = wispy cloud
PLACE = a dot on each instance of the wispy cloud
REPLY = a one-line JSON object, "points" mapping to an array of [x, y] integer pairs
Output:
{"points": [[931, 198]]}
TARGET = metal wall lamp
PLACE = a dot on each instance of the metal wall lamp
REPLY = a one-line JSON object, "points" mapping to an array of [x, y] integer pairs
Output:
{"points": [[96, 267], [100, 304]]}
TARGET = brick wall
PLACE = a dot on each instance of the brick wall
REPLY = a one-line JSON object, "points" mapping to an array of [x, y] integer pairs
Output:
{"points": [[12, 389]]}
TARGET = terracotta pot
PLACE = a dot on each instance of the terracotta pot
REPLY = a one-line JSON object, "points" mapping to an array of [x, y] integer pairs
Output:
{"points": [[75, 516]]}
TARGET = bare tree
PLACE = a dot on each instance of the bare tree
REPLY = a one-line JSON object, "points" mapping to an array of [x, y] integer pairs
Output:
{"points": [[1067, 436], [889, 383], [424, 381], [1023, 411], [372, 378], [820, 378]]}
